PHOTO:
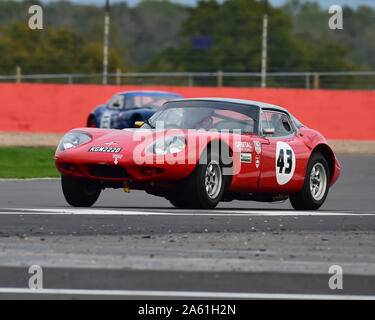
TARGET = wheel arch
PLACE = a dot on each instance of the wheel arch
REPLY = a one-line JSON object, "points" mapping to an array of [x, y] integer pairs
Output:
{"points": [[91, 115], [221, 144], [137, 116], [328, 154]]}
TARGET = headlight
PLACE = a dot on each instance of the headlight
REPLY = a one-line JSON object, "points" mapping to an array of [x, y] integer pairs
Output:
{"points": [[167, 145], [73, 139]]}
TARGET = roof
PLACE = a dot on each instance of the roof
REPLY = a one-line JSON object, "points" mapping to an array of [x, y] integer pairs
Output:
{"points": [[149, 92], [262, 105]]}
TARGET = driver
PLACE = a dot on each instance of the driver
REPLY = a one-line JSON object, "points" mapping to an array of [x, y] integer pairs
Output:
{"points": [[197, 118]]}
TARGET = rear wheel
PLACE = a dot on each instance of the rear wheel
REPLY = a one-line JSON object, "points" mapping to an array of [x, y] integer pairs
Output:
{"points": [[91, 123], [204, 188], [80, 193], [316, 186]]}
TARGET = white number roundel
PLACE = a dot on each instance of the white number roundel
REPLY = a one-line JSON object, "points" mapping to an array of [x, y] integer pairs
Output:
{"points": [[285, 162]]}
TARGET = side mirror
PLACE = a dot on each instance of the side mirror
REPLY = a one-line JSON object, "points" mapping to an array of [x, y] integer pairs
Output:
{"points": [[138, 124], [269, 131]]}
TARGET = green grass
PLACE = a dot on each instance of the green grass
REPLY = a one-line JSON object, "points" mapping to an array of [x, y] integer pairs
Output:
{"points": [[22, 162]]}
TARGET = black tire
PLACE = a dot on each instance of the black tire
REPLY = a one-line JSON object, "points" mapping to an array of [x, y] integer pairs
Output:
{"points": [[193, 193], [179, 202], [92, 123], [80, 193], [304, 199]]}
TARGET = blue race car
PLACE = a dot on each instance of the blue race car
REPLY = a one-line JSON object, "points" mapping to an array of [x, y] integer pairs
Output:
{"points": [[125, 108]]}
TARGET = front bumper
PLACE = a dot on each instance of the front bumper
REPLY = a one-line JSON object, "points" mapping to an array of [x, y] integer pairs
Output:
{"points": [[114, 168]]}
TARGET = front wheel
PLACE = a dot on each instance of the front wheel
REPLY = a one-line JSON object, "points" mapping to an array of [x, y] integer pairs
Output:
{"points": [[204, 188], [316, 186], [80, 193]]}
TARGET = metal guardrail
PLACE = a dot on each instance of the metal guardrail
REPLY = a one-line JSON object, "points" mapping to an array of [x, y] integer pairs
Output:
{"points": [[191, 76]]}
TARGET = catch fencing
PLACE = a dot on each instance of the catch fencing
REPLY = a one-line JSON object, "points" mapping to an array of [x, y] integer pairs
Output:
{"points": [[307, 80]]}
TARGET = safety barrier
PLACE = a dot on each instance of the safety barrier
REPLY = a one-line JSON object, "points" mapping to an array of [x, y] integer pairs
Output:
{"points": [[346, 115]]}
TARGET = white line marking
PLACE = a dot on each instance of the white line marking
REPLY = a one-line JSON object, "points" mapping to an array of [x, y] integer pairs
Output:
{"points": [[186, 294], [28, 179], [223, 213]]}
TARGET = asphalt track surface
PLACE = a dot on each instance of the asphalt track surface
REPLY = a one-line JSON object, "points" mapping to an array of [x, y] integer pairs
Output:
{"points": [[136, 246]]}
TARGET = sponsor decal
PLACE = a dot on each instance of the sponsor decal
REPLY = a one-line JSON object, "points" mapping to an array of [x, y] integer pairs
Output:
{"points": [[116, 157], [258, 147], [246, 157], [243, 146], [105, 149], [285, 163], [257, 161]]}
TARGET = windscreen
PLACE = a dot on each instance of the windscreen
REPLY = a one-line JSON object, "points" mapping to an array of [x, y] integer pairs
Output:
{"points": [[147, 101], [207, 116]]}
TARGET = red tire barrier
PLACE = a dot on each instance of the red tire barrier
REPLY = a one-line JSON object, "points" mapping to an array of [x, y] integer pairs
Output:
{"points": [[346, 115]]}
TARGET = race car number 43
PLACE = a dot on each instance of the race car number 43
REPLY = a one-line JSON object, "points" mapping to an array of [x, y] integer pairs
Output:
{"points": [[285, 162]]}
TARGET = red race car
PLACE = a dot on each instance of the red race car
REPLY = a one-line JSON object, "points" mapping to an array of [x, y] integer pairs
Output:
{"points": [[198, 152]]}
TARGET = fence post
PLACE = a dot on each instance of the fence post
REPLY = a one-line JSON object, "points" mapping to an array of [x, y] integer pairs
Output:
{"points": [[70, 80], [118, 76], [220, 78], [316, 81], [307, 80], [190, 81], [18, 74]]}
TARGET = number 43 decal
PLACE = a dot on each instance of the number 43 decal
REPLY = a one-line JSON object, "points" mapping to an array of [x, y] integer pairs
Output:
{"points": [[285, 163]]}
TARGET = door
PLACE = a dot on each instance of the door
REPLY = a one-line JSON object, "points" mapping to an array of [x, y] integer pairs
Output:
{"points": [[109, 117], [246, 164], [283, 155]]}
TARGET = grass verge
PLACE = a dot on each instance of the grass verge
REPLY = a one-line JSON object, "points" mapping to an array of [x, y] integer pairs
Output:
{"points": [[25, 162]]}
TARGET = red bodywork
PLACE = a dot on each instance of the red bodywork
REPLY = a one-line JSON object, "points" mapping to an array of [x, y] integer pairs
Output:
{"points": [[259, 175]]}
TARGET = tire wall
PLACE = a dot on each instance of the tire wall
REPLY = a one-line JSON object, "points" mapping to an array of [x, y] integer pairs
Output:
{"points": [[342, 115]]}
